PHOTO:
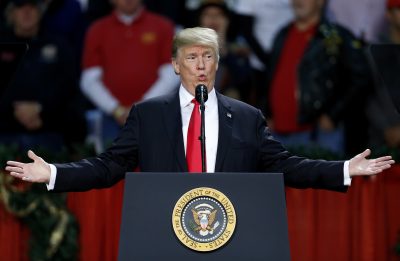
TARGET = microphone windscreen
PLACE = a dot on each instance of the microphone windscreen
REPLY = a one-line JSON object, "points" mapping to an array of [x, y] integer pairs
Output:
{"points": [[201, 93]]}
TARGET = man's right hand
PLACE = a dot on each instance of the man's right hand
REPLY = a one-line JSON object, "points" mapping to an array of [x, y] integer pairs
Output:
{"points": [[36, 171]]}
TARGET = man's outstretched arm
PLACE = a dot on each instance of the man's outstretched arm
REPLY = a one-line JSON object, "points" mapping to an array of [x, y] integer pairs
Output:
{"points": [[39, 170]]}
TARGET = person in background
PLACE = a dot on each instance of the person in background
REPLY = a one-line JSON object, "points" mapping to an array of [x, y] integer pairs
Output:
{"points": [[160, 135], [258, 21], [95, 9], [189, 17], [393, 17], [318, 83], [41, 107], [233, 75], [65, 17], [364, 18], [3, 5], [126, 59], [383, 118]]}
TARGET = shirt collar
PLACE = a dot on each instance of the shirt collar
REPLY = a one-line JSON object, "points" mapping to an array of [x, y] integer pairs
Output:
{"points": [[186, 98], [128, 19]]}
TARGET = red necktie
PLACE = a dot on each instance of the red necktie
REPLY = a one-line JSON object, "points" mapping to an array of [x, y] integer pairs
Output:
{"points": [[193, 147]]}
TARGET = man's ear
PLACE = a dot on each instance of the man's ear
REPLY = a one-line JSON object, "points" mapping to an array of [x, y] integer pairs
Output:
{"points": [[176, 66]]}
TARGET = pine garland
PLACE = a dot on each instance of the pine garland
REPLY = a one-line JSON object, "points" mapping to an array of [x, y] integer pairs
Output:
{"points": [[397, 247], [54, 230]]}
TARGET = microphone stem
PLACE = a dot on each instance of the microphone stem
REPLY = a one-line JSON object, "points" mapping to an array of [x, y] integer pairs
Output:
{"points": [[203, 137]]}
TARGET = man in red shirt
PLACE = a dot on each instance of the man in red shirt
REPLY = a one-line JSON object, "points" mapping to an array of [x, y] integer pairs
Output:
{"points": [[318, 73], [126, 59], [384, 119]]}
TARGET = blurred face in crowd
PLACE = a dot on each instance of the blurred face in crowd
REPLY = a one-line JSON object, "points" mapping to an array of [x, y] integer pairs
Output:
{"points": [[25, 19], [214, 17], [393, 16], [127, 7], [307, 9], [196, 65]]}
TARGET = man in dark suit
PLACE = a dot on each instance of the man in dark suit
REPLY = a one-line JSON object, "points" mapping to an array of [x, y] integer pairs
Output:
{"points": [[159, 131]]}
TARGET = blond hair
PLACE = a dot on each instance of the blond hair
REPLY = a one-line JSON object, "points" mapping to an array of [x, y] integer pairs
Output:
{"points": [[195, 36]]}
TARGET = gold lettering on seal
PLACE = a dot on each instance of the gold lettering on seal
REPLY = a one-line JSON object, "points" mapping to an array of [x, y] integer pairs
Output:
{"points": [[181, 230]]}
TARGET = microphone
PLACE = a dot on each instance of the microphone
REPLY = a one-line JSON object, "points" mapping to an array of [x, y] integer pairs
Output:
{"points": [[201, 94]]}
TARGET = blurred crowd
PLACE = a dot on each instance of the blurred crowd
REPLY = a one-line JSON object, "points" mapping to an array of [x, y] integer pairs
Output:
{"points": [[306, 64]]}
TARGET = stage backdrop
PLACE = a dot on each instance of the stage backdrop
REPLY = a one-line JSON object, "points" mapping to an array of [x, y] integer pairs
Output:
{"points": [[360, 225]]}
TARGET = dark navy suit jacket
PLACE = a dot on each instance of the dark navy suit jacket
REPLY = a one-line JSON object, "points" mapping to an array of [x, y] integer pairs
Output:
{"points": [[152, 140]]}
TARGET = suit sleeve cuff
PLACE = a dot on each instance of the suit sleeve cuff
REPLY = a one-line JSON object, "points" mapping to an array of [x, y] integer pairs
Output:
{"points": [[346, 173], [53, 174]]}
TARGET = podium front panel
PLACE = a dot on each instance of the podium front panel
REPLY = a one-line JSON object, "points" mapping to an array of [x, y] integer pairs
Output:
{"points": [[261, 231]]}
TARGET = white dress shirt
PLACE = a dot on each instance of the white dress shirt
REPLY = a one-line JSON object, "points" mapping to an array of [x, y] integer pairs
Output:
{"points": [[211, 130], [211, 124]]}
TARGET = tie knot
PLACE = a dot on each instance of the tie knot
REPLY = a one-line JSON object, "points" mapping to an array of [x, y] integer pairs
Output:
{"points": [[195, 102]]}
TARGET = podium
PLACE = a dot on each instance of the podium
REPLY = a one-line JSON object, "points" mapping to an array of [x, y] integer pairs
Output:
{"points": [[214, 216]]}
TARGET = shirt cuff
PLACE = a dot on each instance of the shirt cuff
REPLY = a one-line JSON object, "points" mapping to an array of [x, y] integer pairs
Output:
{"points": [[53, 174], [346, 173]]}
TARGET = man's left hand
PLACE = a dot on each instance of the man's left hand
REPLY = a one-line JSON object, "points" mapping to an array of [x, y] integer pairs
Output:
{"points": [[361, 166]]}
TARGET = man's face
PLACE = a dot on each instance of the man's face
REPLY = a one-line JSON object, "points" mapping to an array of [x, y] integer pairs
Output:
{"points": [[127, 7], [393, 16], [25, 17], [214, 18], [196, 65], [304, 9]]}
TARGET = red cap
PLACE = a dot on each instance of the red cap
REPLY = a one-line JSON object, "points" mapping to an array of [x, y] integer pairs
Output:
{"points": [[393, 3]]}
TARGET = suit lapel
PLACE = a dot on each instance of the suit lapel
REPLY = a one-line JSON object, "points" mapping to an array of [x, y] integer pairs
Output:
{"points": [[225, 116], [173, 125]]}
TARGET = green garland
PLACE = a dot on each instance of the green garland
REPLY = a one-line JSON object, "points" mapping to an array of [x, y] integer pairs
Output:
{"points": [[54, 230], [397, 247]]}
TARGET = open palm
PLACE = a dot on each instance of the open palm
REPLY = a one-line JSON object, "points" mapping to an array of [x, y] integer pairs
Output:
{"points": [[36, 171], [361, 166]]}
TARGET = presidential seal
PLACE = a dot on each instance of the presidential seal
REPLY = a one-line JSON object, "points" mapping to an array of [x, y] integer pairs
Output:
{"points": [[204, 219]]}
